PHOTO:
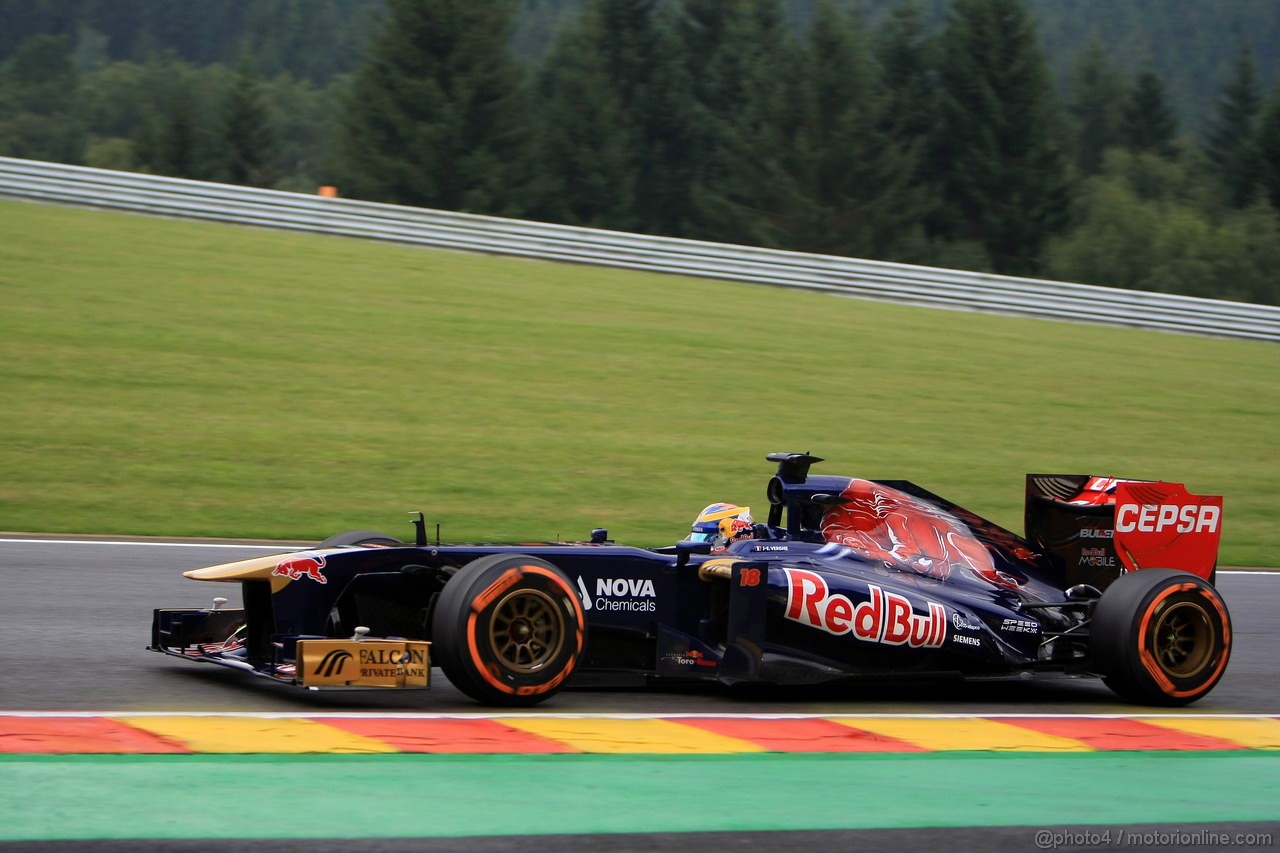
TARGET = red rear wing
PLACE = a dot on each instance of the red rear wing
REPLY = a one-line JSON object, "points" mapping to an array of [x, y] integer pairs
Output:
{"points": [[1162, 525], [1104, 526]]}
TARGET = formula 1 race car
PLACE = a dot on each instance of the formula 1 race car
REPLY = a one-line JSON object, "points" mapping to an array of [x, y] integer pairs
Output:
{"points": [[846, 578]]}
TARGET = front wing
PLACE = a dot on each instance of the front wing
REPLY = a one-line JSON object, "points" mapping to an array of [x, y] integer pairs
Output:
{"points": [[316, 663]]}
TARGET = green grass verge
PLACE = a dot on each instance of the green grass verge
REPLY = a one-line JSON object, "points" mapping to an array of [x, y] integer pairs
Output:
{"points": [[184, 378], [59, 797]]}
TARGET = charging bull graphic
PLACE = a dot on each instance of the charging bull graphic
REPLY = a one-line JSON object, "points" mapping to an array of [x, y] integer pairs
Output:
{"points": [[885, 524], [300, 566]]}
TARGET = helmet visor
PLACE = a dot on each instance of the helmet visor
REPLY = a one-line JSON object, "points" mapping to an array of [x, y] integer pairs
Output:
{"points": [[704, 531]]}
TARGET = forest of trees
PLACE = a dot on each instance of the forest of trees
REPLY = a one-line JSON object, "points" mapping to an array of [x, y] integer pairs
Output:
{"points": [[920, 131]]}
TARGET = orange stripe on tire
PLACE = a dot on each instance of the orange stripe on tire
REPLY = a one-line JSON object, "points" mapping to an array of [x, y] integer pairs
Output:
{"points": [[1149, 662], [508, 580]]}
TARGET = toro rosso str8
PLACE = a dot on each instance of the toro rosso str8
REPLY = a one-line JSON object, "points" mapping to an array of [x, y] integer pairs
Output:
{"points": [[847, 578]]}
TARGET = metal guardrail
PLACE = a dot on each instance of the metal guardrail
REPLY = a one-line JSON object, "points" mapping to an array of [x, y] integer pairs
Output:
{"points": [[878, 280]]}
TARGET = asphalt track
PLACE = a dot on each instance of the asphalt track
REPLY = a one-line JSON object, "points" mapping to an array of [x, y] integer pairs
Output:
{"points": [[74, 618]]}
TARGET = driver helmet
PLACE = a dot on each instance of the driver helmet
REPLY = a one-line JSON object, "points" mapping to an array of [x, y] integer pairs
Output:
{"points": [[720, 524]]}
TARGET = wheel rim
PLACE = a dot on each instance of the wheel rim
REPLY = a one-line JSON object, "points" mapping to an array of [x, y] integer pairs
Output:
{"points": [[527, 630], [1183, 639]]}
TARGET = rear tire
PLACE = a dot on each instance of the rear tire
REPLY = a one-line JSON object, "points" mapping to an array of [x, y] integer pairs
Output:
{"points": [[508, 629], [1160, 637]]}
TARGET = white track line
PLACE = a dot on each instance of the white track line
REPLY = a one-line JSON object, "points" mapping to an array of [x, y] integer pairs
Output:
{"points": [[295, 547], [272, 715], [275, 547]]}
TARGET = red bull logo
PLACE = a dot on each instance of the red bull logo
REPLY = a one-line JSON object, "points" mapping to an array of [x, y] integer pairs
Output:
{"points": [[885, 617], [299, 566]]}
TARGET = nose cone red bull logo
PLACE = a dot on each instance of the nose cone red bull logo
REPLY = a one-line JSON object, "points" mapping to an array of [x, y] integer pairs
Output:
{"points": [[300, 566]]}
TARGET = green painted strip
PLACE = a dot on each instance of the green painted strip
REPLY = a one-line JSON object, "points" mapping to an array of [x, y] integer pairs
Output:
{"points": [[59, 797]]}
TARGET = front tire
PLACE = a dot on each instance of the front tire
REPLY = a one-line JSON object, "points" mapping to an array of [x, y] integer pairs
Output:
{"points": [[508, 630], [1160, 637], [351, 538]]}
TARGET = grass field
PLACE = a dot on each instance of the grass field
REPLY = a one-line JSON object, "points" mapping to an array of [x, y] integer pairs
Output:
{"points": [[183, 378]]}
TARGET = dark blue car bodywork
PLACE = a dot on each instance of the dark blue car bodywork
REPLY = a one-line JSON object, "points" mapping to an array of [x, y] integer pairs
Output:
{"points": [[785, 607]]}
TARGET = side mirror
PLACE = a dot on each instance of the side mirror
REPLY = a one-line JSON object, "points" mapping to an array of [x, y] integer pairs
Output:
{"points": [[686, 549]]}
